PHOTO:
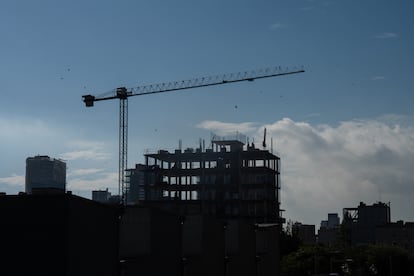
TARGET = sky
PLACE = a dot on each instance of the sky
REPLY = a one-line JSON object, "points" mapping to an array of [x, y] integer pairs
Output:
{"points": [[344, 129]]}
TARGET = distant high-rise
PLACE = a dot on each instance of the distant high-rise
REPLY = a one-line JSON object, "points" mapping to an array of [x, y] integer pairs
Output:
{"points": [[45, 174], [328, 233]]}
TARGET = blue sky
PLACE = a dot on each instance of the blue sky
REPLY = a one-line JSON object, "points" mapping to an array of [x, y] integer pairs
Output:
{"points": [[344, 129]]}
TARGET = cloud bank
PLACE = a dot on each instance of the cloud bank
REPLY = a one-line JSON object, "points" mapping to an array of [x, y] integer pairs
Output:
{"points": [[222, 128], [14, 180], [98, 181], [326, 168], [86, 150]]}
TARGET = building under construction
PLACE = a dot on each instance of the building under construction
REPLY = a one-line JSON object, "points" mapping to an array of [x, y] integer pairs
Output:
{"points": [[229, 180]]}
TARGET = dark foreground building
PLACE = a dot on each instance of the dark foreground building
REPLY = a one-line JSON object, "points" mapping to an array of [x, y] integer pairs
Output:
{"points": [[157, 242], [226, 200], [57, 234], [196, 212]]}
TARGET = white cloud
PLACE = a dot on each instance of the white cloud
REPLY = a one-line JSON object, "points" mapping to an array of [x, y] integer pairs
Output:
{"points": [[327, 168], [376, 78], [23, 128], [222, 128], [14, 180], [276, 26], [83, 172], [86, 150], [97, 182], [85, 154], [386, 35]]}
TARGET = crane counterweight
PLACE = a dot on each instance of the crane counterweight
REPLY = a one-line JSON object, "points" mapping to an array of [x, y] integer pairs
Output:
{"points": [[89, 100]]}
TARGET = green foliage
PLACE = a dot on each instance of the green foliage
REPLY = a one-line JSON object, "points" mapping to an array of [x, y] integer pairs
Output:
{"points": [[307, 260], [288, 243], [356, 260], [382, 260]]}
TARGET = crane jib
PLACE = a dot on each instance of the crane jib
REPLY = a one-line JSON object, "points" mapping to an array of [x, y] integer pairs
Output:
{"points": [[122, 93]]}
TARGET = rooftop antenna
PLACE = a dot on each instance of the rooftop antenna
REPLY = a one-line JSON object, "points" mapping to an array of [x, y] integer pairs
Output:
{"points": [[264, 138], [180, 144]]}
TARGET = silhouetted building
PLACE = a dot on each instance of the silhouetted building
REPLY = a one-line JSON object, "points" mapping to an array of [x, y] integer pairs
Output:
{"points": [[328, 232], [329, 236], [157, 242], [305, 232], [359, 223], [228, 198], [114, 199], [101, 196], [150, 242], [136, 187], [397, 233], [240, 248], [332, 222], [104, 196], [58, 234], [225, 181], [267, 249], [45, 174]]}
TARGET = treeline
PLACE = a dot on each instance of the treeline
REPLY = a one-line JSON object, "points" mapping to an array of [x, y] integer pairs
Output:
{"points": [[298, 259]]}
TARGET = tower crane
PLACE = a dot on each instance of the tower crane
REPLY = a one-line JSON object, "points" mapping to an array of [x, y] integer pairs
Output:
{"points": [[123, 93]]}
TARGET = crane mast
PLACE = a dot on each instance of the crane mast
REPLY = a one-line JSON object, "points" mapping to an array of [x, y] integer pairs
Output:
{"points": [[123, 142], [123, 94]]}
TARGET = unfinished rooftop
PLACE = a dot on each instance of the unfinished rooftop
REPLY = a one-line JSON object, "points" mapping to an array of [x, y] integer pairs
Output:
{"points": [[230, 179]]}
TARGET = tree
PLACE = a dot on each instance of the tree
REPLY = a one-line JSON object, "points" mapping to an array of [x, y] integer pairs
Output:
{"points": [[308, 260], [289, 242]]}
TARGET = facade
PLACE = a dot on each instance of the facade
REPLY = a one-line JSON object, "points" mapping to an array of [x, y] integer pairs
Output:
{"points": [[333, 220], [157, 242], [228, 181], [305, 232], [57, 234], [359, 223], [45, 174], [227, 199], [102, 196], [136, 179], [150, 242], [397, 233], [328, 232]]}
